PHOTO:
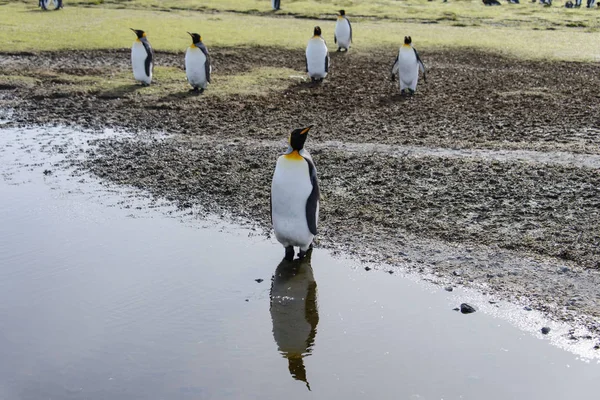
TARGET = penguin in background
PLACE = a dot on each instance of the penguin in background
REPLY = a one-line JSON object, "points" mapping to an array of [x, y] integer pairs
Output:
{"points": [[142, 58], [295, 313], [407, 66], [343, 32], [317, 57], [45, 3], [276, 5], [197, 64], [295, 197]]}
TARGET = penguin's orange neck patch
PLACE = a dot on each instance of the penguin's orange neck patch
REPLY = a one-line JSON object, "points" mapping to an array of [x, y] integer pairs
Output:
{"points": [[294, 155], [193, 46], [406, 45]]}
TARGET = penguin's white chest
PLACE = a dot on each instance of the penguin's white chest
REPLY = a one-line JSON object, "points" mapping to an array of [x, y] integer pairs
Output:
{"points": [[316, 56], [138, 63], [289, 193], [342, 33], [408, 68], [194, 67]]}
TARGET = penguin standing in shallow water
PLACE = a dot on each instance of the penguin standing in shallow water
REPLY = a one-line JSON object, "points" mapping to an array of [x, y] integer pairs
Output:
{"points": [[197, 64], [295, 197], [142, 58], [317, 57], [407, 65], [343, 32]]}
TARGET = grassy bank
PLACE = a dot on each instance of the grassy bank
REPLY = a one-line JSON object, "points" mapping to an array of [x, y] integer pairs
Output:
{"points": [[24, 28]]}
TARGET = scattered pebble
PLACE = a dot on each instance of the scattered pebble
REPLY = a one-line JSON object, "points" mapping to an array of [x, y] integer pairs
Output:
{"points": [[259, 280], [545, 330], [467, 308], [367, 268], [456, 309], [527, 308], [448, 288], [47, 172], [247, 300], [390, 272]]}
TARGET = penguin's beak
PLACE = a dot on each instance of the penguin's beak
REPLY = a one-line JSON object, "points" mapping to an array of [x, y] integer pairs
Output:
{"points": [[305, 130], [190, 34]]}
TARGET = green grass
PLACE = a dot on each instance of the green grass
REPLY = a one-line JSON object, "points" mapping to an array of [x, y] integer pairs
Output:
{"points": [[24, 28]]}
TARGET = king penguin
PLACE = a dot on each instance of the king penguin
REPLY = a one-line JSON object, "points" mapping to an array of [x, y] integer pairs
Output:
{"points": [[317, 57], [197, 64], [343, 32], [295, 197], [407, 65], [45, 3], [142, 58], [275, 4], [295, 313]]}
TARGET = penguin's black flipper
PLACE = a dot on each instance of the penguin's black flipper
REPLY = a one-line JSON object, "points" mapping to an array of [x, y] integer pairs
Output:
{"points": [[421, 65], [149, 64], [334, 39], [312, 203], [350, 26], [327, 63], [204, 50], [394, 68], [306, 59]]}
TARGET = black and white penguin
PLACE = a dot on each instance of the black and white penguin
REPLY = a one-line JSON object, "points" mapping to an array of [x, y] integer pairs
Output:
{"points": [[58, 4], [142, 58], [295, 197], [407, 65], [317, 57], [343, 32], [295, 313], [197, 64], [276, 4]]}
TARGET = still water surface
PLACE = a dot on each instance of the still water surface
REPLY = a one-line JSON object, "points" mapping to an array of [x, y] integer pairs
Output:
{"points": [[100, 302]]}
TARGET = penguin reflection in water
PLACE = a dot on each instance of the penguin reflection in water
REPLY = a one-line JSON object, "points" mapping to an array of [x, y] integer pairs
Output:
{"points": [[407, 66], [294, 312], [317, 57], [295, 197], [197, 64], [142, 58]]}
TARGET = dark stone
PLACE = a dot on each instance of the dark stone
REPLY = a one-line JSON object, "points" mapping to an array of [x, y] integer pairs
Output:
{"points": [[390, 272], [545, 330], [247, 300], [456, 309], [367, 268], [448, 288], [47, 172], [527, 308], [259, 280], [467, 308]]}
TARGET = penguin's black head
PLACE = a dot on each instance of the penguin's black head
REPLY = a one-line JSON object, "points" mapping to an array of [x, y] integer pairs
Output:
{"points": [[317, 31], [298, 137], [140, 33], [196, 38], [407, 40], [342, 13]]}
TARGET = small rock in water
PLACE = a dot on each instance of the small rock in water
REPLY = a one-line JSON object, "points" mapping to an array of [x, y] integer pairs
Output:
{"points": [[456, 309], [367, 268], [247, 300], [448, 288], [259, 280], [545, 330], [390, 272], [527, 308], [47, 172], [467, 308]]}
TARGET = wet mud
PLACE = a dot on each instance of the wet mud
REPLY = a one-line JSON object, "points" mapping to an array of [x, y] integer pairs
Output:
{"points": [[487, 177]]}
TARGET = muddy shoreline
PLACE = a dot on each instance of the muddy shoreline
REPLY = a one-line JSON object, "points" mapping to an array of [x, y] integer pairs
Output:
{"points": [[487, 178]]}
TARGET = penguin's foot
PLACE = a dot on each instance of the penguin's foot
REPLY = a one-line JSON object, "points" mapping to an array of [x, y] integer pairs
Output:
{"points": [[193, 90], [289, 253], [301, 254], [339, 50], [144, 84]]}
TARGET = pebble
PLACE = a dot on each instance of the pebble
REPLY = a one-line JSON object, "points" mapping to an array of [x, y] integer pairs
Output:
{"points": [[527, 308], [448, 288], [467, 308], [367, 268], [259, 280], [545, 330]]}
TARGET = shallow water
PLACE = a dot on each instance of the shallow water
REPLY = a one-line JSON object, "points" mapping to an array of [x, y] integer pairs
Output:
{"points": [[102, 297]]}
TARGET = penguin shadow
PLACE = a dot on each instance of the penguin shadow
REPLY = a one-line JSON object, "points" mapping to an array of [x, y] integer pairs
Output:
{"points": [[119, 91], [294, 313]]}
